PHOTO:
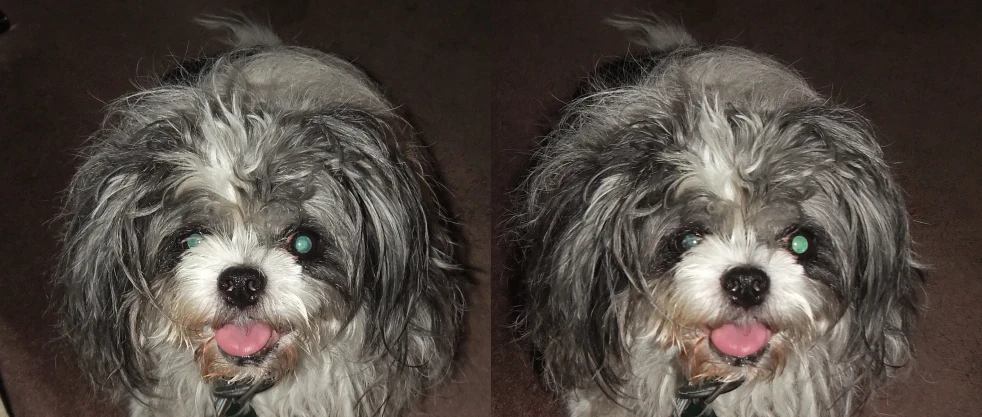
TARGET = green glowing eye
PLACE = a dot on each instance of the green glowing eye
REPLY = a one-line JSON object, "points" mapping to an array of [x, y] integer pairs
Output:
{"points": [[690, 241], [799, 244], [193, 240], [302, 244]]}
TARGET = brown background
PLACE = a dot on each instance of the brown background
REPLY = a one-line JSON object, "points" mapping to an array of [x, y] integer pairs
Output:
{"points": [[483, 80], [912, 67], [63, 60]]}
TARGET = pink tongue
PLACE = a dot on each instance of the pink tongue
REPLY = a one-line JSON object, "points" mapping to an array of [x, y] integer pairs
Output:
{"points": [[237, 341], [740, 341]]}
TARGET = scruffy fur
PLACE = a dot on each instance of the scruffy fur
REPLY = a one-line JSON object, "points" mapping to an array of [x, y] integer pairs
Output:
{"points": [[732, 146], [246, 149]]}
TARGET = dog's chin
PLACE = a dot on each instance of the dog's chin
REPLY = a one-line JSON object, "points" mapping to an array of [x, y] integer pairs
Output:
{"points": [[222, 357], [749, 351]]}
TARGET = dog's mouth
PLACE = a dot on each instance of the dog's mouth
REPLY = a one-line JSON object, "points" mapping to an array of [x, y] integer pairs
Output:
{"points": [[743, 348], [246, 349], [247, 343], [740, 343]]}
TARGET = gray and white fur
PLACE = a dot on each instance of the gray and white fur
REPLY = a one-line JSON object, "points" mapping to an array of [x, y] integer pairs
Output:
{"points": [[266, 142], [735, 149]]}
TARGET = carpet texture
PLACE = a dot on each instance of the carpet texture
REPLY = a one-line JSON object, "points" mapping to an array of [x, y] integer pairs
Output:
{"points": [[911, 67], [62, 61]]}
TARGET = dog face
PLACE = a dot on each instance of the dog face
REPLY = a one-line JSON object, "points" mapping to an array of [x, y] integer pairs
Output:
{"points": [[262, 247], [711, 216], [210, 227], [744, 246]]}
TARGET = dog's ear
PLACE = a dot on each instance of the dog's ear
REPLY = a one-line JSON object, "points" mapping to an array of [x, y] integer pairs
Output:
{"points": [[103, 259], [883, 276], [406, 277], [582, 247]]}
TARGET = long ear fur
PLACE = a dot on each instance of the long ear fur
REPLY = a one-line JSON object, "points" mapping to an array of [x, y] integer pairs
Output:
{"points": [[885, 276], [410, 280], [104, 259], [583, 251]]}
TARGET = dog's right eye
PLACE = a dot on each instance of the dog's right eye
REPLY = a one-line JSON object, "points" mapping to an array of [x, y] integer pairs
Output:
{"points": [[191, 240], [690, 240], [676, 245]]}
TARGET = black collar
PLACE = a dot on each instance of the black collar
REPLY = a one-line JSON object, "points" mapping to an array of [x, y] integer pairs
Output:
{"points": [[693, 400], [232, 399]]}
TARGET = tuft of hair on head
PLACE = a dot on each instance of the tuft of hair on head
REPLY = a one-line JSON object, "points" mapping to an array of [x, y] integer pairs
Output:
{"points": [[242, 32], [653, 32]]}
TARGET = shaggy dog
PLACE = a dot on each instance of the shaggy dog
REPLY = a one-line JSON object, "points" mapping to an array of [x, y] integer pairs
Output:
{"points": [[703, 232], [258, 232]]}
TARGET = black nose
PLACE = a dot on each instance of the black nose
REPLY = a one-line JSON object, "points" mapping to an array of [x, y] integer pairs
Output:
{"points": [[241, 286], [746, 286]]}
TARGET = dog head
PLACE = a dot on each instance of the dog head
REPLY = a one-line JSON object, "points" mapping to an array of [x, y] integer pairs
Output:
{"points": [[209, 226], [717, 210]]}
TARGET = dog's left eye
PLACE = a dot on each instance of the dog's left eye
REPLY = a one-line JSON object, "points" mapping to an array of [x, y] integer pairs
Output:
{"points": [[303, 243], [801, 242]]}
